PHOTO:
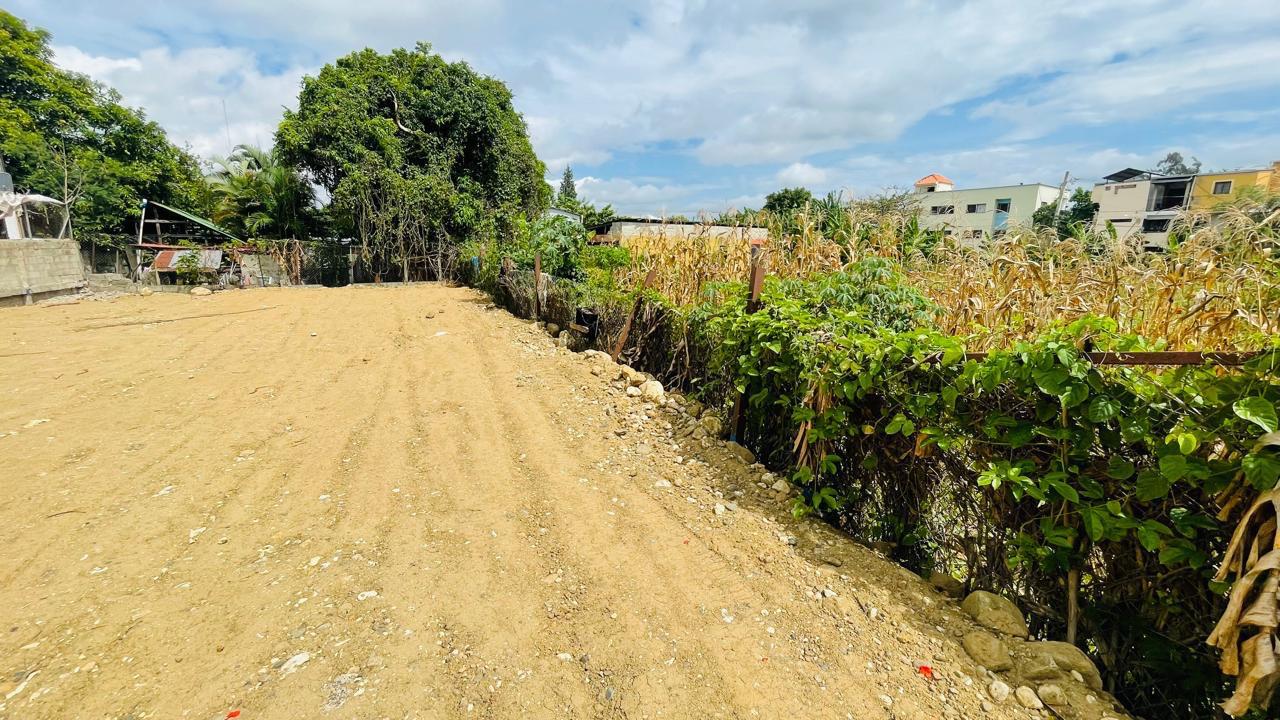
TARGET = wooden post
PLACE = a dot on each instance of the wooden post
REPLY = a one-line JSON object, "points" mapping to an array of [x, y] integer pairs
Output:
{"points": [[537, 285], [137, 252], [626, 327], [755, 284], [1073, 604]]}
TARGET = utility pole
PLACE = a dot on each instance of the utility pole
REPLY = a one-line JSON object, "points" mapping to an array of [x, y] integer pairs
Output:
{"points": [[1062, 191]]}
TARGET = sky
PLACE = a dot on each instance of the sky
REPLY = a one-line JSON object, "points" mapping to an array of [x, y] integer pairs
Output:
{"points": [[688, 106]]}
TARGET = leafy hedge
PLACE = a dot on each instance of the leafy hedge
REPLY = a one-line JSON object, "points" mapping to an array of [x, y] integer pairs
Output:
{"points": [[1031, 471]]}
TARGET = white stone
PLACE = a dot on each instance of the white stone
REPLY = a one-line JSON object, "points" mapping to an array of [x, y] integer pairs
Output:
{"points": [[1027, 698], [652, 391], [998, 690], [1052, 695], [294, 663]]}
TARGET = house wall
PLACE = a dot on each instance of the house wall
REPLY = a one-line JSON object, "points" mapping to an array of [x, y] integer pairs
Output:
{"points": [[1202, 197], [1025, 200], [1123, 204], [38, 268]]}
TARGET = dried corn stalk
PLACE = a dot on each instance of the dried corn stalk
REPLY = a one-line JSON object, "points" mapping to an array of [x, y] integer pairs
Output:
{"points": [[1253, 607]]}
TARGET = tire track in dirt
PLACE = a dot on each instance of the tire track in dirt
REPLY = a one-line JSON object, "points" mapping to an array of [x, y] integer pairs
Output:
{"points": [[528, 417]]}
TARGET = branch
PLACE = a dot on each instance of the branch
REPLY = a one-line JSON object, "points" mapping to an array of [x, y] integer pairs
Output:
{"points": [[395, 104]]}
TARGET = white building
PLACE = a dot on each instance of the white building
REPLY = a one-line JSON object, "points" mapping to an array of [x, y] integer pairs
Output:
{"points": [[972, 214], [1141, 204]]}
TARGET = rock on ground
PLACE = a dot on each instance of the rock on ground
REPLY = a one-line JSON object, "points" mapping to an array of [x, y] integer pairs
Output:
{"points": [[995, 612], [998, 690], [712, 425], [1027, 698], [987, 650], [1052, 695], [652, 391], [1054, 660], [946, 584]]}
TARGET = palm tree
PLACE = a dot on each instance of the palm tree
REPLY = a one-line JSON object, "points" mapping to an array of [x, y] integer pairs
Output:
{"points": [[258, 196]]}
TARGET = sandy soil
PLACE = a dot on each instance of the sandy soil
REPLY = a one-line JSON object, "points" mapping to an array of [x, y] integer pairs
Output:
{"points": [[394, 503]]}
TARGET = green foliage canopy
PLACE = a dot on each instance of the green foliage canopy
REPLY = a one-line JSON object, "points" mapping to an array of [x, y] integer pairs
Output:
{"points": [[408, 135], [259, 196], [568, 191], [1077, 213], [63, 135], [787, 200]]}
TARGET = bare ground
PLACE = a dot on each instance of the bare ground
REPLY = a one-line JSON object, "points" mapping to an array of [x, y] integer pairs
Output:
{"points": [[394, 503]]}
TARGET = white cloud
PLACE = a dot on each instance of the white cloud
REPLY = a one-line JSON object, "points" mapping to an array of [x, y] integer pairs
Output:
{"points": [[185, 91], [764, 86], [1161, 82], [801, 173], [629, 197]]}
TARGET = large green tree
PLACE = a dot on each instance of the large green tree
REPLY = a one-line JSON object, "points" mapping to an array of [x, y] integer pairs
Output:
{"points": [[63, 135], [1077, 212], [1175, 164], [787, 200], [417, 153]]}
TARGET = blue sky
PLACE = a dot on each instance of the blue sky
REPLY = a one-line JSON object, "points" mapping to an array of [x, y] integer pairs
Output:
{"points": [[683, 106]]}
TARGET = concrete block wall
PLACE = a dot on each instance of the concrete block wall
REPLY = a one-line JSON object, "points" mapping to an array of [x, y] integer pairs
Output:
{"points": [[39, 267]]}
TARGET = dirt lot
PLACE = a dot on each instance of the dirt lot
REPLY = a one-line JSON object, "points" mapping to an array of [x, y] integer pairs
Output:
{"points": [[396, 502]]}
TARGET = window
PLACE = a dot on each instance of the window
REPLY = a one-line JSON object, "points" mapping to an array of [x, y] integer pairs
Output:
{"points": [[1171, 195], [976, 208], [1155, 225], [974, 235], [943, 209], [1121, 220], [1003, 205], [1222, 187], [931, 188], [946, 232]]}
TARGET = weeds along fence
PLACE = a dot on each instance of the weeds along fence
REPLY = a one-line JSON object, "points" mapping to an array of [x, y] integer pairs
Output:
{"points": [[1101, 497]]}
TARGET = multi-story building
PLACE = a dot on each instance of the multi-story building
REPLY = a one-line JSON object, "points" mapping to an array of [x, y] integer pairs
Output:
{"points": [[971, 214], [1211, 189], [1141, 205]]}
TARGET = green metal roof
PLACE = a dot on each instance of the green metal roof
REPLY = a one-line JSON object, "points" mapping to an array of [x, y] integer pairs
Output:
{"points": [[208, 224]]}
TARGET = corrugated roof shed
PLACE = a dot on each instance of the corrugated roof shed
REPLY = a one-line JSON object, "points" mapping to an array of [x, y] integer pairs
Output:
{"points": [[167, 260]]}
